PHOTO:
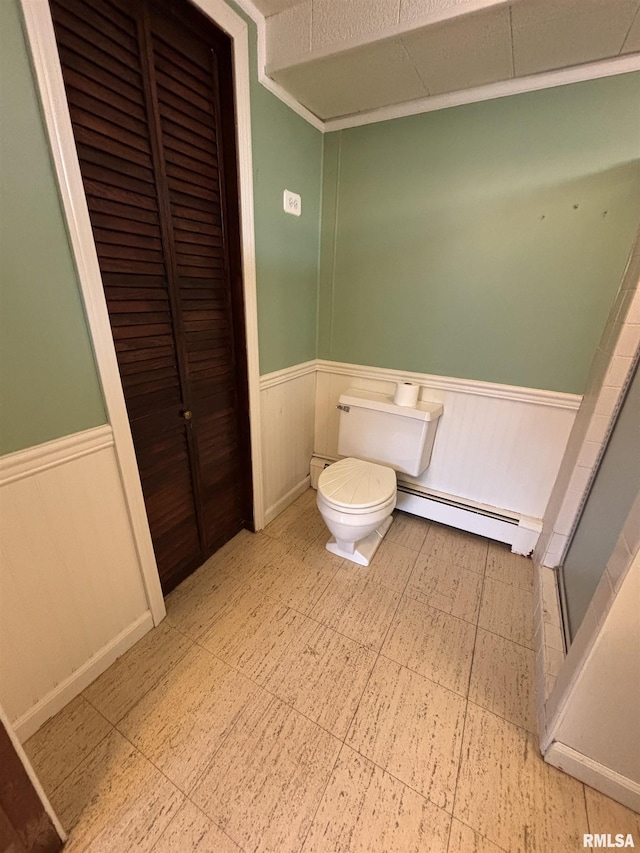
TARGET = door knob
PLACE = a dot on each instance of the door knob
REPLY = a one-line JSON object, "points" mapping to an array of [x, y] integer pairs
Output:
{"points": [[187, 415]]}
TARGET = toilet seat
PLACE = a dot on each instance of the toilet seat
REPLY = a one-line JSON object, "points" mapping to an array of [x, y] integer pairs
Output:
{"points": [[357, 487]]}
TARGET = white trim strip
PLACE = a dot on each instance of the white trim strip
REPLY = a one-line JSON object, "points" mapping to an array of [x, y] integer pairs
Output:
{"points": [[33, 460], [594, 774], [279, 377], [75, 683], [24, 758], [536, 396]]}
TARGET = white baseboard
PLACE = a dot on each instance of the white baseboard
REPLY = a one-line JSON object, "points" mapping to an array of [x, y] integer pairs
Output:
{"points": [[56, 699], [596, 775], [278, 507]]}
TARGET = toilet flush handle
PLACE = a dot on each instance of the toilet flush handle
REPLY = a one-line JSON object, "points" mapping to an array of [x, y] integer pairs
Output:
{"points": [[343, 408]]}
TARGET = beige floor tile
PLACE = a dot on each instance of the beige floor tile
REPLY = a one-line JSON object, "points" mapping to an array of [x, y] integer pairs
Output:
{"points": [[252, 632], [306, 541], [115, 800], [239, 557], [503, 679], [357, 609], [607, 816], [308, 545], [128, 679], [195, 604], [391, 566], [464, 840], [251, 553], [318, 557], [191, 831], [181, 722], [276, 528], [301, 532], [293, 581], [265, 783], [446, 586], [64, 741], [509, 795], [432, 643], [507, 611], [306, 500], [412, 728], [509, 568], [456, 546], [408, 530], [365, 810], [323, 674]]}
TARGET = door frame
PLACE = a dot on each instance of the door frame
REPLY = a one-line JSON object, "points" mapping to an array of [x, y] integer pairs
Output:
{"points": [[31, 780], [40, 38]]}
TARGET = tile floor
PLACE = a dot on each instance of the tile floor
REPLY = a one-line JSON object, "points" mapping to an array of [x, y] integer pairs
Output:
{"points": [[293, 701]]}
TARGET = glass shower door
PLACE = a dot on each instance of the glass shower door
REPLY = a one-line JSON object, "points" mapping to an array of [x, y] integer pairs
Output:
{"points": [[608, 504]]}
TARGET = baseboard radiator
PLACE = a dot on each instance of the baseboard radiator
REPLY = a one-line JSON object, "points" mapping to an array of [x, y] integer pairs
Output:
{"points": [[521, 532]]}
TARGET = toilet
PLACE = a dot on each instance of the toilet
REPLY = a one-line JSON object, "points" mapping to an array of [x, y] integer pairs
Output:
{"points": [[357, 495]]}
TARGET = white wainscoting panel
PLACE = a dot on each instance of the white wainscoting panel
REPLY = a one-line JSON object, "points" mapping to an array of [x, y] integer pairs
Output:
{"points": [[288, 400], [498, 446], [72, 594]]}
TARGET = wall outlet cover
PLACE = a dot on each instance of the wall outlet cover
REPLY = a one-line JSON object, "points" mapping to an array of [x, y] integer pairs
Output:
{"points": [[292, 203]]}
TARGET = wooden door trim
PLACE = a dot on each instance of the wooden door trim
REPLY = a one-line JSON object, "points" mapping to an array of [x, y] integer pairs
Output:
{"points": [[48, 78]]}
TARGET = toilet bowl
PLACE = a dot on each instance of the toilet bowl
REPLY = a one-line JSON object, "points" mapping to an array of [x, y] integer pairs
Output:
{"points": [[356, 499]]}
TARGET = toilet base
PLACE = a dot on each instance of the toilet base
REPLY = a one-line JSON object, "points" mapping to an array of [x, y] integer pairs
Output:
{"points": [[365, 548]]}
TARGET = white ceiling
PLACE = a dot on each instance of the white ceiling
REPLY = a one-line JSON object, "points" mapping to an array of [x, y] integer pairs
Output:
{"points": [[344, 57]]}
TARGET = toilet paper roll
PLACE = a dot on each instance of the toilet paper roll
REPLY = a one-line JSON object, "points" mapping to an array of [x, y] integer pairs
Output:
{"points": [[406, 394]]}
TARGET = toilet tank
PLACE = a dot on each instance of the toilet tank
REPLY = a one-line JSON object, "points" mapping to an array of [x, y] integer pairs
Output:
{"points": [[374, 428]]}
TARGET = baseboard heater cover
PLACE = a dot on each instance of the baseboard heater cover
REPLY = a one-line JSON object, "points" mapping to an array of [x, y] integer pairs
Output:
{"points": [[521, 532]]}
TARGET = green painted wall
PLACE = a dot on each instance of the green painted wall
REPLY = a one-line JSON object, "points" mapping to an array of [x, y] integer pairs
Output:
{"points": [[287, 154], [48, 381], [485, 241]]}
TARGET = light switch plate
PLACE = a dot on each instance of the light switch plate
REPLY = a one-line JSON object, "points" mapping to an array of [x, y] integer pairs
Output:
{"points": [[292, 203]]}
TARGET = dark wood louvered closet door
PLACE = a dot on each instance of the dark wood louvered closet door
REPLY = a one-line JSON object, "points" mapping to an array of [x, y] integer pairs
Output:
{"points": [[150, 95]]}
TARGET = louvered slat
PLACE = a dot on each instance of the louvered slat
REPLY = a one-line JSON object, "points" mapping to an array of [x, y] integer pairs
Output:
{"points": [[166, 279]]}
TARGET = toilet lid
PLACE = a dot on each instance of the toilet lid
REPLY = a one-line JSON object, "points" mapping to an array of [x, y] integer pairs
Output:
{"points": [[357, 484]]}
